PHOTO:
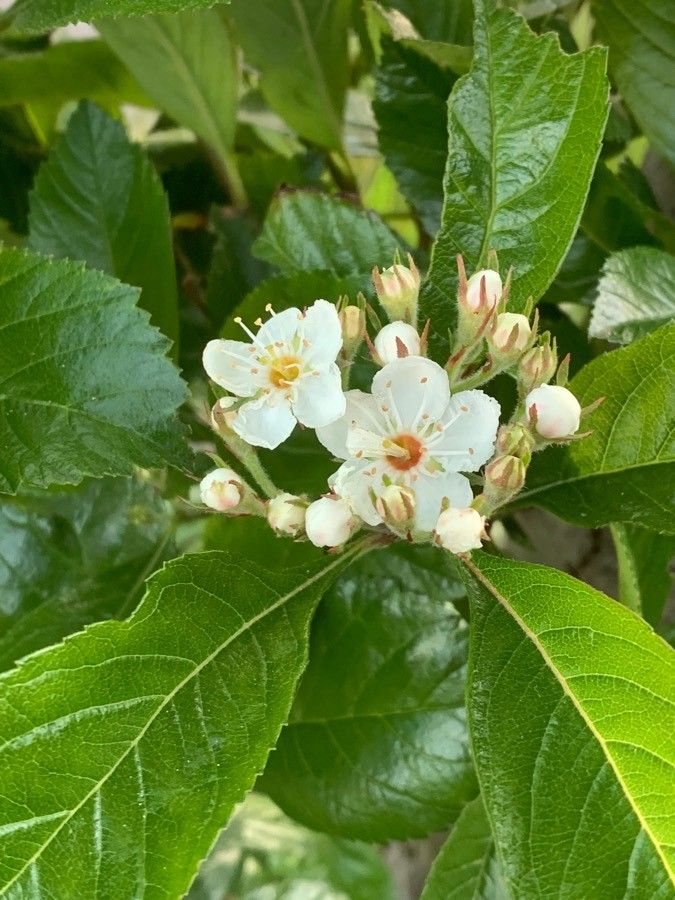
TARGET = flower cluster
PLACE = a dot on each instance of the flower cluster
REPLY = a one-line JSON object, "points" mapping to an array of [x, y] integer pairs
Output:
{"points": [[406, 446]]}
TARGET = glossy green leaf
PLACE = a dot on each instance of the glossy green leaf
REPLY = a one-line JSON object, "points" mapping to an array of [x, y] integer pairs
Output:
{"points": [[300, 50], [99, 199], [313, 231], [636, 295], [641, 39], [578, 276], [622, 472], [570, 699], [525, 128], [467, 865], [376, 746], [42, 15], [159, 723], [644, 559], [439, 20], [264, 853], [72, 557], [85, 387]]}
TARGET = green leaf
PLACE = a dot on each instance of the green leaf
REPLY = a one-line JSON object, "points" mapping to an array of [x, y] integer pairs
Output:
{"points": [[525, 128], [72, 557], [159, 724], [300, 50], [99, 199], [636, 295], [290, 861], [570, 709], [85, 387], [439, 20], [312, 231], [641, 39], [376, 746], [623, 471], [43, 15], [644, 559], [467, 865]]}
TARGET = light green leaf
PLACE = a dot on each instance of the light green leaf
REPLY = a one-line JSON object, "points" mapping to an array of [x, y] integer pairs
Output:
{"points": [[300, 49], [644, 560], [313, 231], [570, 699], [376, 746], [85, 387], [622, 472], [641, 39], [525, 128], [636, 295], [72, 557], [159, 724], [43, 15], [98, 199], [467, 865]]}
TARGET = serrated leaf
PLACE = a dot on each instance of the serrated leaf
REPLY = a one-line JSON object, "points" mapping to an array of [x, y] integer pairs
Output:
{"points": [[88, 390], [636, 295], [570, 709], [622, 472], [72, 557], [313, 231], [300, 49], [99, 199], [467, 864], [641, 39], [159, 724], [43, 15], [525, 127], [376, 746], [644, 560]]}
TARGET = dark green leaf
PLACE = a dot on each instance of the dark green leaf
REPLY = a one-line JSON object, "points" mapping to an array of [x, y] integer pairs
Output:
{"points": [[525, 128], [85, 387], [42, 15], [623, 472], [99, 199], [636, 295], [376, 746], [570, 708], [641, 38], [300, 49], [159, 725], [439, 20], [644, 560], [578, 276], [467, 865]]}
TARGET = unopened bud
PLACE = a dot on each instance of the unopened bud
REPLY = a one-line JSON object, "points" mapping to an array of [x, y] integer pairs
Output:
{"points": [[510, 334], [396, 505], [286, 514], [504, 477], [484, 288], [353, 325], [460, 530], [397, 289], [329, 522], [396, 340], [537, 366], [554, 411], [515, 440], [477, 299], [223, 414], [222, 490]]}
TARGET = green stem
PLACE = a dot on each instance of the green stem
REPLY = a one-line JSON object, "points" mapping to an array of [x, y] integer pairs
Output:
{"points": [[249, 459]]}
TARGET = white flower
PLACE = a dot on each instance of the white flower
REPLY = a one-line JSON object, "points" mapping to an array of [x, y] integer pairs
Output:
{"points": [[493, 288], [329, 522], [222, 489], [286, 514], [396, 340], [409, 431], [288, 372], [510, 327], [558, 412], [460, 530]]}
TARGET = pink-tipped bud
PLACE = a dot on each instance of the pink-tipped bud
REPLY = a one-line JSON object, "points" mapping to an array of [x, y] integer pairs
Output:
{"points": [[554, 411], [222, 490], [397, 289], [286, 514], [396, 505], [329, 522], [504, 477], [484, 290], [510, 334], [460, 530], [396, 340]]}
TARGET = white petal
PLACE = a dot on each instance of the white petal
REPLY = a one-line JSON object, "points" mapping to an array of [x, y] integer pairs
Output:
{"points": [[321, 328], [472, 419], [430, 492], [233, 365], [353, 481], [361, 410], [412, 387], [318, 398], [264, 423], [281, 326]]}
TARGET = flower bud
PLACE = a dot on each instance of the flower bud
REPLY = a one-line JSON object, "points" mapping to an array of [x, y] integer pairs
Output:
{"points": [[396, 505], [396, 340], [510, 334], [397, 289], [286, 514], [504, 477], [329, 522], [460, 530], [515, 440], [353, 325], [554, 411], [222, 490], [537, 366], [487, 297], [223, 413]]}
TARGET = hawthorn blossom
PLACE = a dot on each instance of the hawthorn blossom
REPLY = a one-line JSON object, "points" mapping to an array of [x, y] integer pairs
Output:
{"points": [[460, 530], [555, 410], [286, 374], [409, 431]]}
